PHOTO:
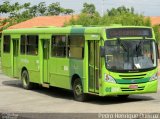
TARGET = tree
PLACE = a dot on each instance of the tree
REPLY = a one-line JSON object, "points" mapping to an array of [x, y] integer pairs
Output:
{"points": [[120, 15], [5, 7], [88, 16], [157, 32], [68, 11], [41, 9], [88, 8], [124, 16], [54, 9], [20, 12]]}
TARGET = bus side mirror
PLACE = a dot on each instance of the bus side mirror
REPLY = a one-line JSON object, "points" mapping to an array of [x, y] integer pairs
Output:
{"points": [[102, 51]]}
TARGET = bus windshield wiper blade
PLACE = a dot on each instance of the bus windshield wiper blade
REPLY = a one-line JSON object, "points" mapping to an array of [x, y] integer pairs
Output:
{"points": [[138, 46], [124, 47]]}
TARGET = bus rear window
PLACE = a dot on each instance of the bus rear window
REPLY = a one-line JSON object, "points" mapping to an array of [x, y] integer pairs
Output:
{"points": [[6, 44]]}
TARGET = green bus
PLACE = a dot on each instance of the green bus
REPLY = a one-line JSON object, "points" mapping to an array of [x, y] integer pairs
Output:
{"points": [[104, 61]]}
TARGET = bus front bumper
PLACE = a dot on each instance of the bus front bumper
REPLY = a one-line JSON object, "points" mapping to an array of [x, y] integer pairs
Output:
{"points": [[110, 89]]}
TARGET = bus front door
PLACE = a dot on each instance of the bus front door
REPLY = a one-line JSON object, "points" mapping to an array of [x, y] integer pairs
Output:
{"points": [[15, 57], [93, 56], [45, 60]]}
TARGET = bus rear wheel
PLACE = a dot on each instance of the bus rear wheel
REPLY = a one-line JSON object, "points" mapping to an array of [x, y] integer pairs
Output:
{"points": [[25, 80], [78, 91]]}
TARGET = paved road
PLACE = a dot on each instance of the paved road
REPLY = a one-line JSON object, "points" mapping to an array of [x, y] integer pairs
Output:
{"points": [[13, 98]]}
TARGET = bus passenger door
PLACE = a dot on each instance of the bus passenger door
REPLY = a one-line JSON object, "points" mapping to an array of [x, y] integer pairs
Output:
{"points": [[15, 57], [45, 60], [93, 55]]}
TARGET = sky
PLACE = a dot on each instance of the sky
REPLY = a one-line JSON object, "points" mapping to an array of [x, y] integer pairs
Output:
{"points": [[145, 7]]}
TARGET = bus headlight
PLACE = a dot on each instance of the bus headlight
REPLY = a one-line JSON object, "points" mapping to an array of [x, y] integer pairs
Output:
{"points": [[154, 77], [109, 79]]}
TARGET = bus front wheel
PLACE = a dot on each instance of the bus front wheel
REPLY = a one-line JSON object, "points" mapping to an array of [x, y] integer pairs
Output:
{"points": [[78, 91], [25, 80]]}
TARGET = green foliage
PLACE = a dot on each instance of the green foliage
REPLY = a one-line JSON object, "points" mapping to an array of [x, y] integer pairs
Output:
{"points": [[86, 19], [120, 15], [157, 32], [89, 8], [54, 9], [5, 7], [88, 16], [17, 13]]}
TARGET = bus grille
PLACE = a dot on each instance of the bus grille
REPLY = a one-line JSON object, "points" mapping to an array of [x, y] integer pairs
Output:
{"points": [[128, 89], [132, 76]]}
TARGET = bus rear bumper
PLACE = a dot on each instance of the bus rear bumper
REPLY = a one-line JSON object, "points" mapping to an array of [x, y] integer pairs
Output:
{"points": [[110, 89]]}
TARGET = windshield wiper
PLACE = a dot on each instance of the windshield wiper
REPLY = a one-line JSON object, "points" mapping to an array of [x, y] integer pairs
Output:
{"points": [[124, 46], [139, 46]]}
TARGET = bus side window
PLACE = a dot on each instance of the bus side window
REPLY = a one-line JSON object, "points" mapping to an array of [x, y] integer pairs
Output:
{"points": [[59, 46], [32, 44], [76, 46], [6, 43], [23, 42]]}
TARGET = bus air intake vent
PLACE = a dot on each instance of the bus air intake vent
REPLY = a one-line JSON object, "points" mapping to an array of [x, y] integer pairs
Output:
{"points": [[136, 76], [138, 89]]}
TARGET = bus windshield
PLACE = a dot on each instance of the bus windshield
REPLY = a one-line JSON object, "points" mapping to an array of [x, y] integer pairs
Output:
{"points": [[130, 55]]}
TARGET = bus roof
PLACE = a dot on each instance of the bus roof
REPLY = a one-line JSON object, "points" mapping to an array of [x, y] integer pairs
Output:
{"points": [[65, 30]]}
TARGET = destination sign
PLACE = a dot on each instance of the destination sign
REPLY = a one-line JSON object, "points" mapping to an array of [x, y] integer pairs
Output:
{"points": [[129, 32]]}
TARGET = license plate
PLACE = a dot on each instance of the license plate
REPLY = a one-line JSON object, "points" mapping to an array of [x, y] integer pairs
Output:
{"points": [[133, 86]]}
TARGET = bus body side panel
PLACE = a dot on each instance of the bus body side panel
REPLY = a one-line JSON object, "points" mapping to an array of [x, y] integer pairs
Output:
{"points": [[6, 64], [61, 71], [31, 63], [6, 60]]}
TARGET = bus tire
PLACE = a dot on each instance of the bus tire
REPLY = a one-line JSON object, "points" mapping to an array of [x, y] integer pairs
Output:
{"points": [[78, 91], [26, 81]]}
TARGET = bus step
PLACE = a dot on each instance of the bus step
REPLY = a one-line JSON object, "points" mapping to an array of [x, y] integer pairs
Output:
{"points": [[45, 85]]}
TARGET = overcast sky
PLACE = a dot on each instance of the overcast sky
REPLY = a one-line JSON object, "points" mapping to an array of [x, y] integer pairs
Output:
{"points": [[146, 7]]}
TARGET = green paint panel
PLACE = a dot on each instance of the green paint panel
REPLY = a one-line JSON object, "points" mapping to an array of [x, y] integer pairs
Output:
{"points": [[77, 31], [130, 81]]}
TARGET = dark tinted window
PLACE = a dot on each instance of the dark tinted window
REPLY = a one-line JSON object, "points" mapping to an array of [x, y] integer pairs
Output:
{"points": [[23, 47], [32, 44], [59, 46], [6, 43], [29, 44]]}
